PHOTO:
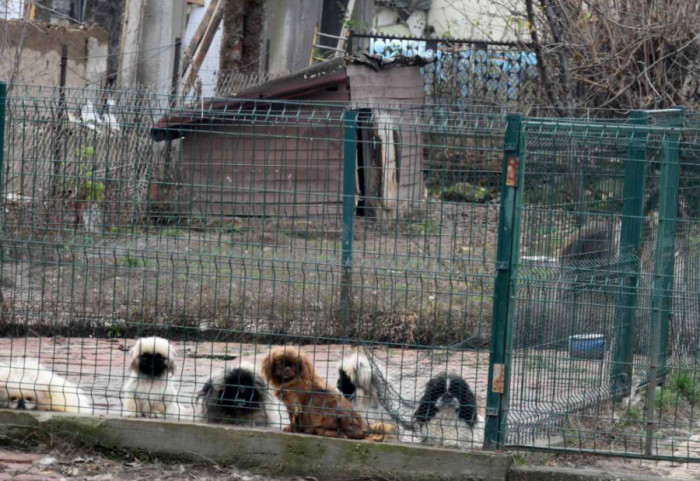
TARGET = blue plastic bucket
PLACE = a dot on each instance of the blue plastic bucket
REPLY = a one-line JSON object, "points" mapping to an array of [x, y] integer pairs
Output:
{"points": [[587, 346]]}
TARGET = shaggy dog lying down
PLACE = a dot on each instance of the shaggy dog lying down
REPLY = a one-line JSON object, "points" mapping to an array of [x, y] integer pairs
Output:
{"points": [[26, 384]]}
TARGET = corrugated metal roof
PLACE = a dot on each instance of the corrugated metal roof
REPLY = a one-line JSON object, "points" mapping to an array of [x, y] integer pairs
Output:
{"points": [[294, 86]]}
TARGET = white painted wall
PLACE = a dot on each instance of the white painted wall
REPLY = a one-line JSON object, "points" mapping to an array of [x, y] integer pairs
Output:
{"points": [[477, 19], [11, 9], [467, 19]]}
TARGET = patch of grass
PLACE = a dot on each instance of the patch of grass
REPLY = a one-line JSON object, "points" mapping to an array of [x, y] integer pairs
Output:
{"points": [[466, 192], [666, 398], [170, 232], [632, 418], [133, 261], [428, 226], [122, 230], [687, 386], [682, 382], [634, 413]]}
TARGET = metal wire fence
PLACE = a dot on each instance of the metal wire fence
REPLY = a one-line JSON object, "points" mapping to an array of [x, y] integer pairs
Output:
{"points": [[605, 314], [397, 248], [246, 226]]}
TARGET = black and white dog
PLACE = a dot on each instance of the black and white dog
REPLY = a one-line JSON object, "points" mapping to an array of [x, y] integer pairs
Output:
{"points": [[239, 395], [358, 385], [355, 380], [447, 413]]}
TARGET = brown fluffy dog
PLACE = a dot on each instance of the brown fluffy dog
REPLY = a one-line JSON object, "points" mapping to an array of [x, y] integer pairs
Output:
{"points": [[314, 406]]}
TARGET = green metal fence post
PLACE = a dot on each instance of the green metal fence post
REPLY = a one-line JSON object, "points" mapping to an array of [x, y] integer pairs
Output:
{"points": [[668, 209], [629, 256], [662, 285], [3, 101], [503, 304], [349, 181]]}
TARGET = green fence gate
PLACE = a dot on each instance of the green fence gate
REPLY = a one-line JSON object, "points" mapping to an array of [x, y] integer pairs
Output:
{"points": [[596, 235]]}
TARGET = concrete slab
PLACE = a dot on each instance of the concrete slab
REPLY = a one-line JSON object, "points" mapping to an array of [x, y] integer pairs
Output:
{"points": [[267, 451]]}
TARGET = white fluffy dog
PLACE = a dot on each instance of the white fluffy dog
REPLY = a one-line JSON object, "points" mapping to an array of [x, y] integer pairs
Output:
{"points": [[150, 390], [26, 384], [240, 395]]}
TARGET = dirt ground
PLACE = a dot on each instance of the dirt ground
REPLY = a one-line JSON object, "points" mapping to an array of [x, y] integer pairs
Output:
{"points": [[54, 465], [34, 464], [427, 280], [662, 469]]}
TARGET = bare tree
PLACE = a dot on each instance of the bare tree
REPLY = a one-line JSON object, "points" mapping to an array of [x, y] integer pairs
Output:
{"points": [[611, 53]]}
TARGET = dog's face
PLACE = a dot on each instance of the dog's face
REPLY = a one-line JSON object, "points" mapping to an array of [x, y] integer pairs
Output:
{"points": [[346, 385], [153, 365], [283, 366], [12, 397], [240, 391], [451, 396], [439, 394], [287, 369], [447, 393], [153, 358]]}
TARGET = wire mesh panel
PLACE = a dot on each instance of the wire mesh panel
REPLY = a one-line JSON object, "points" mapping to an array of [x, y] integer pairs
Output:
{"points": [[566, 275], [600, 302], [156, 260]]}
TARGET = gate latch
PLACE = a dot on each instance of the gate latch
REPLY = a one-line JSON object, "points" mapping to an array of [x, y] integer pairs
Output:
{"points": [[499, 378], [512, 172]]}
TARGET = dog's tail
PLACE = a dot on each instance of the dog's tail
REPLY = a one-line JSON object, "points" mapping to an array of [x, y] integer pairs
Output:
{"points": [[380, 432]]}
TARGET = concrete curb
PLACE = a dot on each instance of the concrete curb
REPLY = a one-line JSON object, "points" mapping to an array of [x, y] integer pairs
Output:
{"points": [[273, 452], [265, 451], [546, 473]]}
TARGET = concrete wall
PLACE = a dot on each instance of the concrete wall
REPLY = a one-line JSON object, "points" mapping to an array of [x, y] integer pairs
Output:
{"points": [[289, 28], [40, 58], [163, 22]]}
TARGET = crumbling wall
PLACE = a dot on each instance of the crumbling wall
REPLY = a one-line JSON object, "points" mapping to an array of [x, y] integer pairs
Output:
{"points": [[243, 24], [33, 54], [108, 15]]}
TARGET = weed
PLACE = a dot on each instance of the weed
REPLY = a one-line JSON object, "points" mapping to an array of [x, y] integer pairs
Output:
{"points": [[682, 382], [169, 232], [666, 399], [426, 227], [687, 386], [133, 261]]}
